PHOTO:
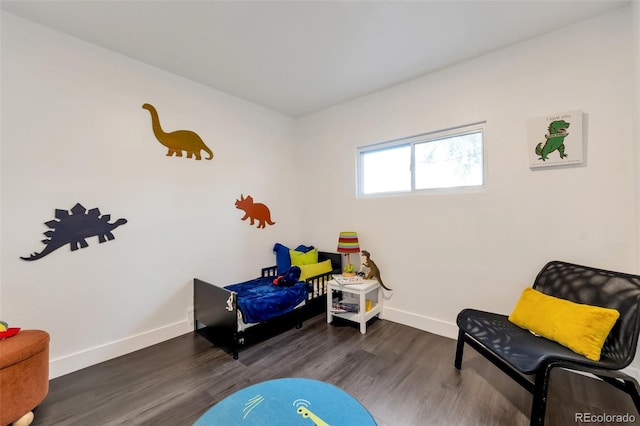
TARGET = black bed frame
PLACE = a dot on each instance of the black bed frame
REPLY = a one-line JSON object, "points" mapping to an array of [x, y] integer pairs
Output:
{"points": [[215, 310]]}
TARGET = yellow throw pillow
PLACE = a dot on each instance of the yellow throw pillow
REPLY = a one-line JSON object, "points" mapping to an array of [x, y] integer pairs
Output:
{"points": [[307, 271], [581, 328], [299, 258]]}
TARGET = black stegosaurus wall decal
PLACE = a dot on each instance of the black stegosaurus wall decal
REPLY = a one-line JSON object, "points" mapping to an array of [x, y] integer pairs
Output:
{"points": [[73, 228]]}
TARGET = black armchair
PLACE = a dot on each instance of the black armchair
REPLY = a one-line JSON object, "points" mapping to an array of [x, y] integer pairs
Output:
{"points": [[529, 359]]}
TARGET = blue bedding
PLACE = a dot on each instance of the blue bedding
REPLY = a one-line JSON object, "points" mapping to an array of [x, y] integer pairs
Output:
{"points": [[259, 299]]}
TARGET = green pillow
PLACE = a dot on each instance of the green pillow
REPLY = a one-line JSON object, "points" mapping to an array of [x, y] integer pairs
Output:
{"points": [[299, 258], [313, 269]]}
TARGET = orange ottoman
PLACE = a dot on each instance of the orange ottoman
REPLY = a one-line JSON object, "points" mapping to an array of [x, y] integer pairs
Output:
{"points": [[24, 374]]}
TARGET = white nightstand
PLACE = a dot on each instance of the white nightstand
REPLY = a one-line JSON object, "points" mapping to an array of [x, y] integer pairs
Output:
{"points": [[356, 294]]}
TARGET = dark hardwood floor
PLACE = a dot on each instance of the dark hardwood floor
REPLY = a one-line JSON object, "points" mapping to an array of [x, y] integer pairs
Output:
{"points": [[402, 375]]}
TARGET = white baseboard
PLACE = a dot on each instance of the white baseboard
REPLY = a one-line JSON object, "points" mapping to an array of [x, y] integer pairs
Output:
{"points": [[421, 322], [79, 360], [449, 329]]}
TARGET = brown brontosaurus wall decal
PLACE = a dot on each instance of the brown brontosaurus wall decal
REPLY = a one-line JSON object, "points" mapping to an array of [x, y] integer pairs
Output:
{"points": [[178, 141], [254, 211]]}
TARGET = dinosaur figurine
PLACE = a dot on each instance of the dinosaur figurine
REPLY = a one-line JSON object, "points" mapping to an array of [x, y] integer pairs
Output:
{"points": [[254, 211], [74, 228], [374, 272], [178, 141], [555, 140]]}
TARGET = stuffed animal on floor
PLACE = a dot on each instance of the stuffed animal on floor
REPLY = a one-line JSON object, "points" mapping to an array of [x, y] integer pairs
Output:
{"points": [[374, 272], [289, 278]]}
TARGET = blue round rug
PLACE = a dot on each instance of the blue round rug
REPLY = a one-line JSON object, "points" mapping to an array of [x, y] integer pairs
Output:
{"points": [[288, 402]]}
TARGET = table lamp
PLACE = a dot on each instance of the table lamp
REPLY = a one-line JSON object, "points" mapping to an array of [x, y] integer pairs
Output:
{"points": [[347, 244]]}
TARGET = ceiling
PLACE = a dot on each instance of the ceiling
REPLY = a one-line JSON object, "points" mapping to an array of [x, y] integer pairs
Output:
{"points": [[298, 57]]}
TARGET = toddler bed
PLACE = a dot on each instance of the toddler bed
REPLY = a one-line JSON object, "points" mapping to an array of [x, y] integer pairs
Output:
{"points": [[226, 315]]}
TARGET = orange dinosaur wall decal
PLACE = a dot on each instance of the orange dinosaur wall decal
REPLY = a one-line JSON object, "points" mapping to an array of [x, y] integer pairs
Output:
{"points": [[254, 211], [179, 140]]}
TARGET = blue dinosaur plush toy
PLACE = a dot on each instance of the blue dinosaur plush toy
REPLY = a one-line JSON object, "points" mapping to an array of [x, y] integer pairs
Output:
{"points": [[289, 278]]}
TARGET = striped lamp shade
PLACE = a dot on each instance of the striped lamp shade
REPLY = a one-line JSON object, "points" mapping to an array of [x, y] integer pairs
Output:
{"points": [[348, 242]]}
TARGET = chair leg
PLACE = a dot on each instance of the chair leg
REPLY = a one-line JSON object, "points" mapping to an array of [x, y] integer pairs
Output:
{"points": [[540, 388], [627, 384], [459, 349], [633, 389]]}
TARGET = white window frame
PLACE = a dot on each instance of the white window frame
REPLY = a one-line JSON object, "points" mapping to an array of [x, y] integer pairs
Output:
{"points": [[412, 141]]}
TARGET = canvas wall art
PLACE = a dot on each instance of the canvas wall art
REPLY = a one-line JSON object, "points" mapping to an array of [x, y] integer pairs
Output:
{"points": [[556, 140]]}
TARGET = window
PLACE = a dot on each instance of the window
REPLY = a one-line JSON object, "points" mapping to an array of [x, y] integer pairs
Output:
{"points": [[445, 159]]}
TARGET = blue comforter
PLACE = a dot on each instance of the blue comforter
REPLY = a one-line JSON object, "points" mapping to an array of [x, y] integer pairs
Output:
{"points": [[260, 300]]}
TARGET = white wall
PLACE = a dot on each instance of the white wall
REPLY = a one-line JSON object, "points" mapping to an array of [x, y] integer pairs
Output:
{"points": [[444, 252], [73, 130]]}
